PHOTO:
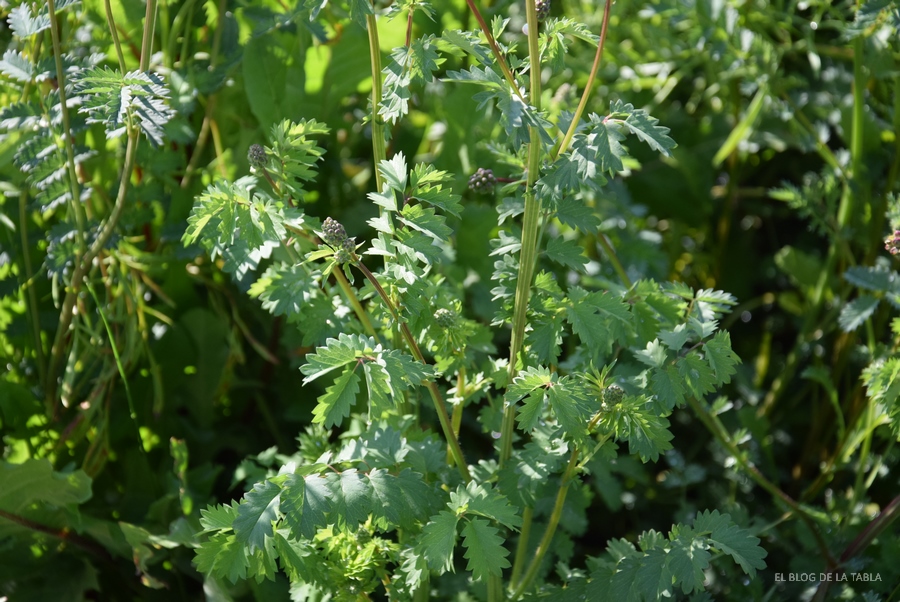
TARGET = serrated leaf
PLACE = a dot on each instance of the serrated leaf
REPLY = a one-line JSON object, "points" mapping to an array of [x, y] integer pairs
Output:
{"points": [[687, 560], [598, 319], [666, 385], [654, 354], [298, 559], [336, 353], [696, 374], [720, 356], [219, 517], [570, 406], [16, 66], [482, 499], [349, 498], [426, 221], [675, 338], [283, 289], [484, 549], [636, 421], [256, 514], [399, 500], [575, 213], [566, 252], [642, 125], [732, 539], [35, 481], [438, 540], [334, 405], [117, 101], [854, 314], [394, 172], [305, 501]]}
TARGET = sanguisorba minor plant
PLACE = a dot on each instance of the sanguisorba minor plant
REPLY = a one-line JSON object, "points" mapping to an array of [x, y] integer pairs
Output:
{"points": [[570, 370]]}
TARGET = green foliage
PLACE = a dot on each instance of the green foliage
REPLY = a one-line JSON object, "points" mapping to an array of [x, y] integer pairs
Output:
{"points": [[493, 305]]}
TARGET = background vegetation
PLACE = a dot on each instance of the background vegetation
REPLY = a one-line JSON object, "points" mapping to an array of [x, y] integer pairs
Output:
{"points": [[175, 388]]}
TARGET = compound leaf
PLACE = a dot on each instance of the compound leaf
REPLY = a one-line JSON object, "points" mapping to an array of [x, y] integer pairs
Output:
{"points": [[256, 514], [484, 549]]}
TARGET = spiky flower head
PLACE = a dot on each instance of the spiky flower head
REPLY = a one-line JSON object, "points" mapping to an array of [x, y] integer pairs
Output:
{"points": [[445, 318], [613, 395], [892, 243], [333, 232], [482, 181], [342, 256], [257, 156]]}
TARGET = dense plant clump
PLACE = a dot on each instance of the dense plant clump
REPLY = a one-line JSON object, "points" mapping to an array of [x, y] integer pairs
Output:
{"points": [[524, 386]]}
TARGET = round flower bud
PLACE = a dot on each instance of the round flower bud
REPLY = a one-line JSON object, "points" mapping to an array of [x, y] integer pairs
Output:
{"points": [[445, 318], [257, 156], [543, 9], [482, 181], [349, 245], [342, 256], [613, 395], [333, 232]]}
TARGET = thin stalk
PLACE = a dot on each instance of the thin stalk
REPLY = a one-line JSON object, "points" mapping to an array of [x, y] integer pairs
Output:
{"points": [[522, 546], [83, 263], [598, 57], [498, 56], [530, 231], [358, 309], [456, 417], [859, 196], [847, 211], [409, 24], [614, 259], [715, 426], [881, 522], [111, 23], [32, 297], [64, 534], [75, 201], [550, 530], [379, 153], [203, 136], [180, 23], [120, 367], [436, 397], [147, 41]]}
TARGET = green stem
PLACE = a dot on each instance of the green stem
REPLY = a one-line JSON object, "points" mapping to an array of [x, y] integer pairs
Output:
{"points": [[203, 136], [83, 266], [32, 297], [180, 23], [147, 41], [530, 233], [498, 56], [846, 215], [358, 309], [875, 528], [436, 397], [456, 418], [859, 196], [111, 23], [522, 546], [550, 531], [614, 259], [598, 57], [715, 426], [379, 153], [75, 201], [120, 367]]}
